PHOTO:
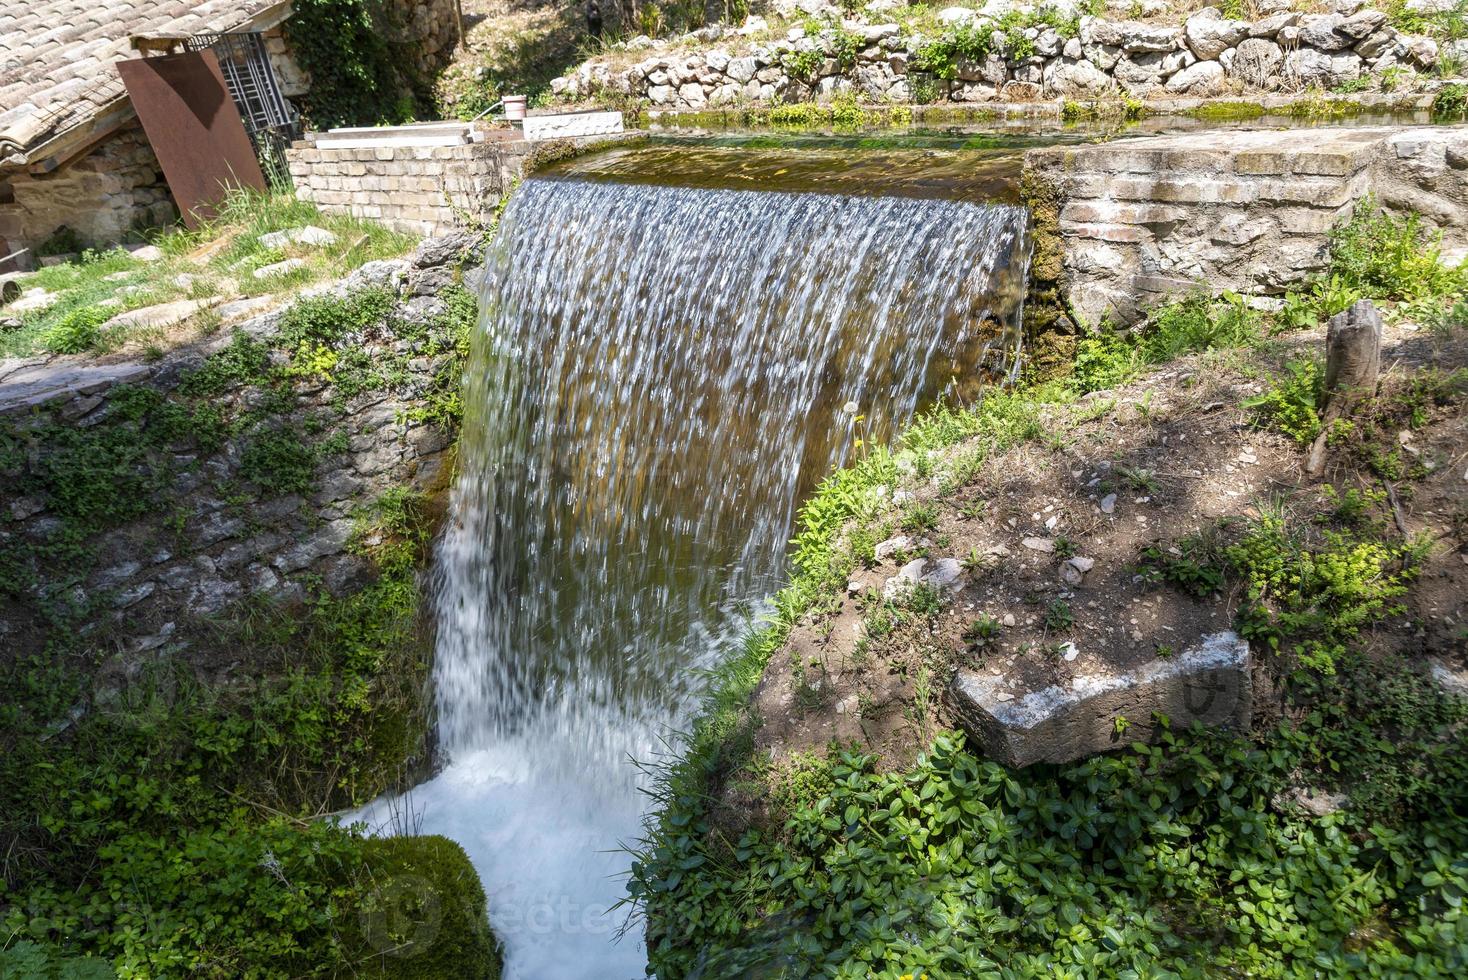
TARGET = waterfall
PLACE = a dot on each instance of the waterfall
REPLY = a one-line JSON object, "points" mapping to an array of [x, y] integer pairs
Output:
{"points": [[660, 376]]}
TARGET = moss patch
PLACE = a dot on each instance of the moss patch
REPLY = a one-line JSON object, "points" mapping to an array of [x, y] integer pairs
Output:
{"points": [[425, 918]]}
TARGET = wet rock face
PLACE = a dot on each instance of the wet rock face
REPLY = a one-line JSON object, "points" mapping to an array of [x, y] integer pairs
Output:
{"points": [[1210, 683]]}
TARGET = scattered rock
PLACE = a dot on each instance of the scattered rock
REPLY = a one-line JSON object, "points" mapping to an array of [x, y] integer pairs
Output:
{"points": [[1073, 570], [1108, 503], [147, 253], [1314, 802], [906, 578], [947, 575], [309, 235], [159, 317], [31, 301], [891, 546], [1039, 544], [278, 268]]}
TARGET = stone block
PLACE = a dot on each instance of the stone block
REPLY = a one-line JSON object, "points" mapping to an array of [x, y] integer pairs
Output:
{"points": [[1210, 683], [1321, 193], [1180, 189], [1126, 214], [1107, 232]]}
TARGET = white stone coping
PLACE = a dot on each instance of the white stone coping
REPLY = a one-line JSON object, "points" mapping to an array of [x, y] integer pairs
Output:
{"points": [[570, 124], [413, 134], [1225, 650]]}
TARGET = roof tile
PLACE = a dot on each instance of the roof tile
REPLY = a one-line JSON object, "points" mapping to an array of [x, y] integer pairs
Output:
{"points": [[57, 55]]}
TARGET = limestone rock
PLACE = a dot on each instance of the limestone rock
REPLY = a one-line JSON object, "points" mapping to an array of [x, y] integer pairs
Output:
{"points": [[907, 577], [1377, 44], [1320, 31], [1421, 51], [159, 317], [1308, 66], [1209, 683], [1270, 26], [309, 235], [278, 268], [741, 69], [1208, 34], [1203, 79], [1017, 91], [945, 575], [31, 300], [1256, 62], [1080, 78], [1361, 24]]}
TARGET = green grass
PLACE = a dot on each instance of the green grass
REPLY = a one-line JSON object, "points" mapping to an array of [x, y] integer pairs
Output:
{"points": [[86, 299]]}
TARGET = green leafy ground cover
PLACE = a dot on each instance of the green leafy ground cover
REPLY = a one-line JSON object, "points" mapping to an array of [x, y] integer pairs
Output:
{"points": [[219, 259], [1189, 857], [158, 814]]}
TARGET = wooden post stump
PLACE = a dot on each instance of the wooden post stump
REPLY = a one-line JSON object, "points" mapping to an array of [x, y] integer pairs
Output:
{"points": [[1352, 365]]}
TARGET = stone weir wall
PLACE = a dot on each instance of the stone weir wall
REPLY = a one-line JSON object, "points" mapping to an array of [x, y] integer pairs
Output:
{"points": [[145, 500], [1086, 57], [418, 189], [1141, 220]]}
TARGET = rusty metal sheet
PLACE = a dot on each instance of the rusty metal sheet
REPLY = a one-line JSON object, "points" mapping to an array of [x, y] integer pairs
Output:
{"points": [[194, 127]]}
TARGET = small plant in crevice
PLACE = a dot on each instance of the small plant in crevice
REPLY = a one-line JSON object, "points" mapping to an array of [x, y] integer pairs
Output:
{"points": [[925, 600], [1058, 616], [982, 631], [1192, 565], [1140, 479], [920, 517]]}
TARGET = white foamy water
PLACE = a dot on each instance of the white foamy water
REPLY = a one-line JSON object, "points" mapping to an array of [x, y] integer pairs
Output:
{"points": [[658, 380]]}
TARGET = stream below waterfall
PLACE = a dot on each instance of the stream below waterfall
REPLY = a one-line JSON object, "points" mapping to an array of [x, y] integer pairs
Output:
{"points": [[661, 374]]}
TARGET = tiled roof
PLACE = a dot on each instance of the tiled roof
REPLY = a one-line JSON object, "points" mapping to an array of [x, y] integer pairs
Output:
{"points": [[57, 56]]}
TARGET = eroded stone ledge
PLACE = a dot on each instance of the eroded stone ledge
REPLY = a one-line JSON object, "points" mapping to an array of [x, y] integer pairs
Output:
{"points": [[1145, 220], [1208, 683]]}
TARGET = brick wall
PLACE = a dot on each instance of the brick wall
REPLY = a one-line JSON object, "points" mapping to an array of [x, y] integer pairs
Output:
{"points": [[421, 190], [1143, 220]]}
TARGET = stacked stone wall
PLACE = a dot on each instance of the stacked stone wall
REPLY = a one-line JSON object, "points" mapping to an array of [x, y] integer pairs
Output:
{"points": [[115, 189], [1208, 55], [215, 537], [1146, 220], [422, 190]]}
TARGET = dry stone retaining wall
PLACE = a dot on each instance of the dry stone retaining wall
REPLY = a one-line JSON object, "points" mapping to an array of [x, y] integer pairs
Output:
{"points": [[1146, 219], [121, 184], [1207, 55], [214, 538]]}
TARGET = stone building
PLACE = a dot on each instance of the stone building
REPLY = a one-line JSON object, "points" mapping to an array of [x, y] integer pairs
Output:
{"points": [[75, 165]]}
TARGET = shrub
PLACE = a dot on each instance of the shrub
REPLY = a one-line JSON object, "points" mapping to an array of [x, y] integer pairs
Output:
{"points": [[1104, 360], [1199, 323], [1451, 100], [77, 331], [1384, 257], [1309, 598]]}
